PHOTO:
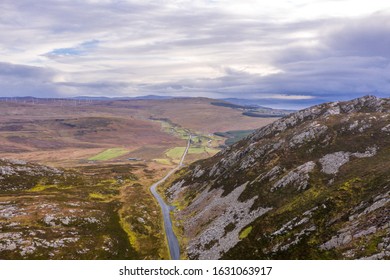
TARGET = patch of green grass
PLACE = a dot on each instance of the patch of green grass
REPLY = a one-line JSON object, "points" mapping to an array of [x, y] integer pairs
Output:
{"points": [[126, 227], [212, 151], [245, 232], [174, 129], [109, 154], [40, 188], [100, 196], [196, 150], [200, 150], [175, 153], [163, 161]]}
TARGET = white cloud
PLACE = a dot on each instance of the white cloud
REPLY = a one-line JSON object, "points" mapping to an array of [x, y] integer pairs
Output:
{"points": [[287, 97], [213, 48]]}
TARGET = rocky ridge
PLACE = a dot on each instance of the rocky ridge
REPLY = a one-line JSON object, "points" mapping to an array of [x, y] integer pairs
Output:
{"points": [[312, 185]]}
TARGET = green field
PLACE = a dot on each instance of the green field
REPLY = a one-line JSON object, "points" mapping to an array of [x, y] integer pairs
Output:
{"points": [[202, 145], [211, 151], [164, 161], [177, 152], [174, 129], [109, 154], [202, 149]]}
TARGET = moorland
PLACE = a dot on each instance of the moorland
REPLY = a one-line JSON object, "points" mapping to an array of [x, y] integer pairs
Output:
{"points": [[75, 173]]}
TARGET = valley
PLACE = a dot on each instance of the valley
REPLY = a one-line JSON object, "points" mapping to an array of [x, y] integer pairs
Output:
{"points": [[155, 133], [187, 179], [101, 157]]}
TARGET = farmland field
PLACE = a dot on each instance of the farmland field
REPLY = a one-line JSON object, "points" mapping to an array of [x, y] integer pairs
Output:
{"points": [[109, 154]]}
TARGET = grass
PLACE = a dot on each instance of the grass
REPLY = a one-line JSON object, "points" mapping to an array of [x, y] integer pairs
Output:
{"points": [[200, 150], [97, 196], [163, 161], [142, 220], [211, 151], [245, 232], [173, 129], [175, 153], [109, 154], [196, 150], [202, 145], [40, 188]]}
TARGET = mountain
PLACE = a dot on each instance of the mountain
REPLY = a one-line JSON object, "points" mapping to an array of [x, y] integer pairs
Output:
{"points": [[146, 97], [251, 109], [155, 97], [312, 185], [95, 98], [274, 103]]}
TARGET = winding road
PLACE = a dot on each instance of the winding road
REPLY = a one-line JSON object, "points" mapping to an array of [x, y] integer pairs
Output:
{"points": [[173, 244]]}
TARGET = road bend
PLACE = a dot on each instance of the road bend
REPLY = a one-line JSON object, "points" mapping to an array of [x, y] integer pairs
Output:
{"points": [[173, 244]]}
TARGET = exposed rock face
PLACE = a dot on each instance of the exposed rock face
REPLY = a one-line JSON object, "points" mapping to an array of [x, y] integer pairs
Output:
{"points": [[314, 184], [225, 211], [19, 175], [311, 133], [332, 162], [299, 177]]}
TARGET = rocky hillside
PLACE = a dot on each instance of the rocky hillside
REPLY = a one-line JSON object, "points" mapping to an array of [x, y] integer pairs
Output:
{"points": [[48, 213], [312, 185]]}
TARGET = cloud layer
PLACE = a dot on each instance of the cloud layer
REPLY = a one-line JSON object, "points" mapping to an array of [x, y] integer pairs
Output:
{"points": [[299, 50]]}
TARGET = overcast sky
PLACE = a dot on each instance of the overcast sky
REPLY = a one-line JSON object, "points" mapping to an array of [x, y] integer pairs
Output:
{"points": [[299, 52]]}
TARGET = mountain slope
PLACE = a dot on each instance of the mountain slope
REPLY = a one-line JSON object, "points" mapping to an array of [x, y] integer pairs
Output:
{"points": [[49, 213], [312, 185]]}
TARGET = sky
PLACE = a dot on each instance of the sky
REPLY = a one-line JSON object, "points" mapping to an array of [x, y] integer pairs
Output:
{"points": [[297, 52]]}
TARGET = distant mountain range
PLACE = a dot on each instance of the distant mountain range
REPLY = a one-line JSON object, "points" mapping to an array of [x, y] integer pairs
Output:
{"points": [[146, 97], [238, 102], [254, 103]]}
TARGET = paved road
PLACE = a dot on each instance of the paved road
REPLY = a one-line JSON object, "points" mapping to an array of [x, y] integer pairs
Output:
{"points": [[173, 244]]}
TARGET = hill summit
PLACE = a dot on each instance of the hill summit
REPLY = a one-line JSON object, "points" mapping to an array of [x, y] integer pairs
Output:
{"points": [[312, 185]]}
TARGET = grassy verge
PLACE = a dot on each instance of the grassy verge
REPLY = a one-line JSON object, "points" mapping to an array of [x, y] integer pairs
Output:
{"points": [[141, 218], [163, 161]]}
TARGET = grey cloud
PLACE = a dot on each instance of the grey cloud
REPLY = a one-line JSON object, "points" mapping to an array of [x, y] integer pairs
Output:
{"points": [[351, 58], [24, 71], [363, 37], [95, 85], [149, 48], [22, 80]]}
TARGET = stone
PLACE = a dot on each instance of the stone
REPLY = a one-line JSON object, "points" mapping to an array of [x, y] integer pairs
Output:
{"points": [[332, 162], [299, 177]]}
